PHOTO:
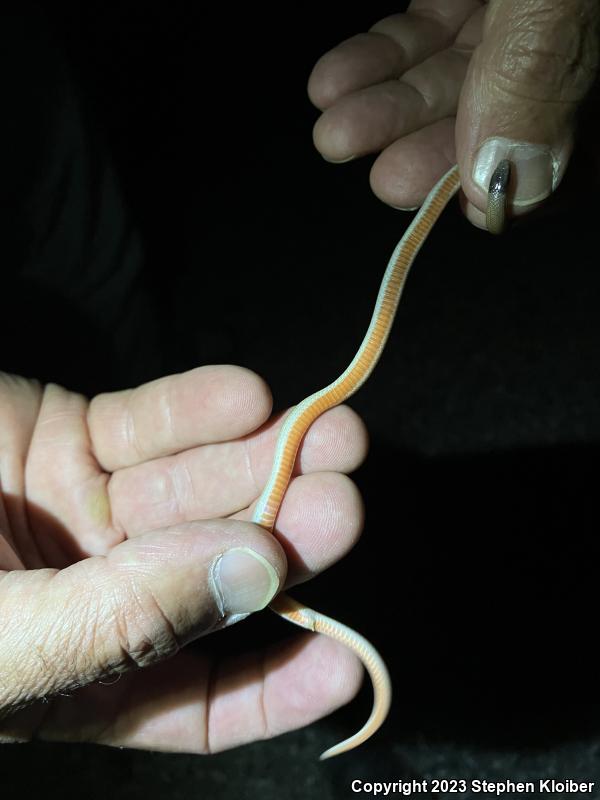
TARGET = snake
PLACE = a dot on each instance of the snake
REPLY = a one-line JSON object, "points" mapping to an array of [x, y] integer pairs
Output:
{"points": [[302, 416]]}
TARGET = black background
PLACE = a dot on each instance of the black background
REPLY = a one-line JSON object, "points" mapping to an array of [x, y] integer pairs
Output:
{"points": [[477, 573]]}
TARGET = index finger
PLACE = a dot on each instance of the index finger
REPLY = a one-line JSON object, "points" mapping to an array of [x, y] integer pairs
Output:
{"points": [[205, 405]]}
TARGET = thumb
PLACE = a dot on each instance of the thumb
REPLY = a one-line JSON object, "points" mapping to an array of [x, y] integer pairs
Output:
{"points": [[535, 64], [138, 605]]}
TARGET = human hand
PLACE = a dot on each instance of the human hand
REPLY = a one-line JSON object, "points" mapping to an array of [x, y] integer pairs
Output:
{"points": [[466, 82], [106, 565]]}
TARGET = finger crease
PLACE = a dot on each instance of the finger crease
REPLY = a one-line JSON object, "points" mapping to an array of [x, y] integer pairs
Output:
{"points": [[437, 18], [131, 436], [427, 100], [113, 521], [249, 468], [168, 406], [185, 492]]}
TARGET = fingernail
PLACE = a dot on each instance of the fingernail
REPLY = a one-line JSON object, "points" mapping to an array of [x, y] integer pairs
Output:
{"points": [[339, 160], [405, 208], [534, 169], [243, 581]]}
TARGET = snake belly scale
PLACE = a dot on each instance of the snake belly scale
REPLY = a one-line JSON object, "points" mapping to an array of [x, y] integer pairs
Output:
{"points": [[301, 417]]}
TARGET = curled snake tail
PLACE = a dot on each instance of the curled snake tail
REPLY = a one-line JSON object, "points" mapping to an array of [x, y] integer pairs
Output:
{"points": [[293, 611]]}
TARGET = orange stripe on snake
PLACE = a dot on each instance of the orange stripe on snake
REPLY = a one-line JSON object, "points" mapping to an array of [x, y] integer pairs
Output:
{"points": [[305, 413]]}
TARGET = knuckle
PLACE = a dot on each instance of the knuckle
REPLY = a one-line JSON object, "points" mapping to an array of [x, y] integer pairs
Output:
{"points": [[438, 85], [131, 431], [548, 52], [144, 634]]}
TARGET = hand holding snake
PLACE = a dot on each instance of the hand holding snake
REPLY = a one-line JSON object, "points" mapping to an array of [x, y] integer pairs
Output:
{"points": [[122, 547]]}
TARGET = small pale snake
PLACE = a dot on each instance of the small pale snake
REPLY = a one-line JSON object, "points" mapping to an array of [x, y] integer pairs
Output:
{"points": [[305, 413]]}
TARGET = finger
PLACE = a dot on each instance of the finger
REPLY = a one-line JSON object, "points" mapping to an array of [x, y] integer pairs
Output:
{"points": [[535, 64], [404, 173], [320, 520], [391, 47], [371, 119], [297, 684], [68, 515], [166, 416], [219, 480], [8, 557], [137, 606], [19, 407], [189, 705]]}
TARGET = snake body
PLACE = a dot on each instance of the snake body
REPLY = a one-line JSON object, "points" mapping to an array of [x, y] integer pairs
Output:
{"points": [[305, 413]]}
